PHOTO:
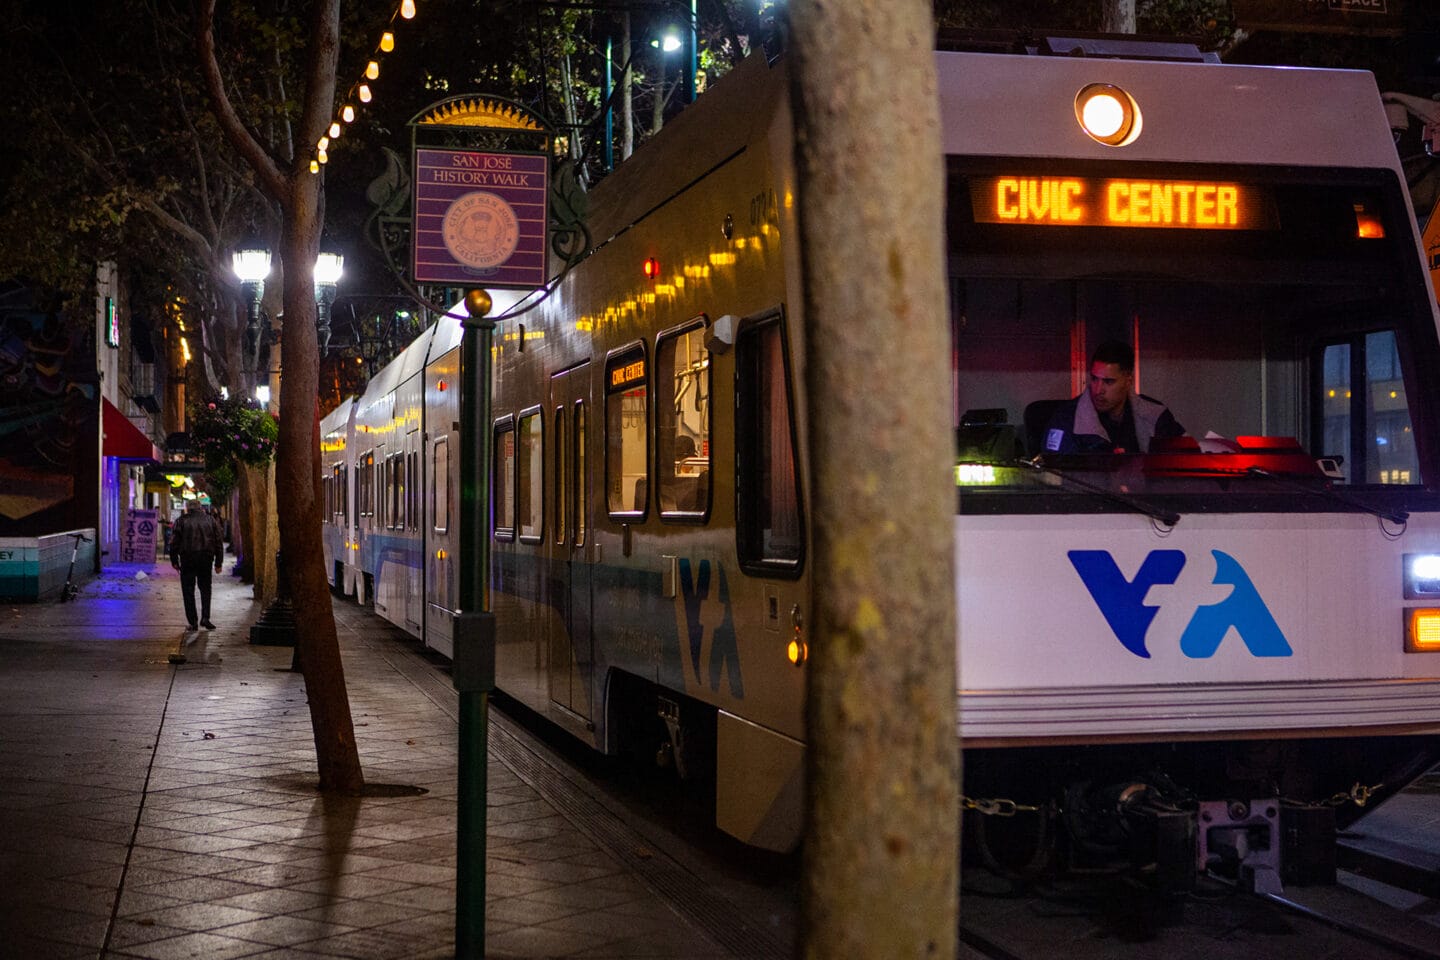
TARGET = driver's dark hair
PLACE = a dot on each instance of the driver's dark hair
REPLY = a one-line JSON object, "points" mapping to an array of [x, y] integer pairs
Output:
{"points": [[1116, 352]]}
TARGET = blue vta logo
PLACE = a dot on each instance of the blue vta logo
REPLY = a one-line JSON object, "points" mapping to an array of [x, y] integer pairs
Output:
{"points": [[724, 653], [1122, 602]]}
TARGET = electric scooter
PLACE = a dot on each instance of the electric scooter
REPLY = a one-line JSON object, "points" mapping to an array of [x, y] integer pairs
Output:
{"points": [[71, 588]]}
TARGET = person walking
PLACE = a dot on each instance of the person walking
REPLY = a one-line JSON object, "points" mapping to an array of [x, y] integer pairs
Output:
{"points": [[196, 540]]}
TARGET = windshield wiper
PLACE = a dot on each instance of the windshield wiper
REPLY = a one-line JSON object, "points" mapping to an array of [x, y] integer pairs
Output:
{"points": [[1167, 517], [1397, 517]]}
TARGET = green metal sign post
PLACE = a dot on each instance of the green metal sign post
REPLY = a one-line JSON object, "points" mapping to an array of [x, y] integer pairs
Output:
{"points": [[474, 665]]}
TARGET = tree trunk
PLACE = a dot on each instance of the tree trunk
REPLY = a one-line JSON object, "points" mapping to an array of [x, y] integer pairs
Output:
{"points": [[882, 820], [265, 529], [297, 486], [297, 460], [1117, 16], [242, 529]]}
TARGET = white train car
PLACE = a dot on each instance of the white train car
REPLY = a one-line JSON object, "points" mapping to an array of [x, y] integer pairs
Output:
{"points": [[1249, 613]]}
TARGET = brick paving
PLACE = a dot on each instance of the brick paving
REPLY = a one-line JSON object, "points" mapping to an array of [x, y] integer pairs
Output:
{"points": [[159, 810]]}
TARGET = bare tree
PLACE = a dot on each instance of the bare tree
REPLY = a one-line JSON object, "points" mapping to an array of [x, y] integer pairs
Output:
{"points": [[882, 819], [282, 171]]}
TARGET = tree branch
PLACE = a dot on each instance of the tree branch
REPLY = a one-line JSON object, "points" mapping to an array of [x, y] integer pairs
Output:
{"points": [[272, 180]]}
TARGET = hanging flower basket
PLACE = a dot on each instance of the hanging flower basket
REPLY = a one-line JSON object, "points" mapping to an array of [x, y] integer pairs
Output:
{"points": [[228, 433]]}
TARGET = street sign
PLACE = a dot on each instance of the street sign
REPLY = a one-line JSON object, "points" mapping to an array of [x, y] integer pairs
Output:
{"points": [[480, 218]]}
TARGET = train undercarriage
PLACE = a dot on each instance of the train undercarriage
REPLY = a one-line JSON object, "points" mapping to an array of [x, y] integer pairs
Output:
{"points": [[1261, 813]]}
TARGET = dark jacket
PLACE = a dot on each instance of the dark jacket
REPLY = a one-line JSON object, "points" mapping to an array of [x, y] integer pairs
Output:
{"points": [[197, 535], [1076, 427]]}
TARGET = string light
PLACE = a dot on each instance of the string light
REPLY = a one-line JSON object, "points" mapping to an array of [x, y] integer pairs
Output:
{"points": [[361, 91]]}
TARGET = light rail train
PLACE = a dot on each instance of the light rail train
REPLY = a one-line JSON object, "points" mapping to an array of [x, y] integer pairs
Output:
{"points": [[1166, 655]]}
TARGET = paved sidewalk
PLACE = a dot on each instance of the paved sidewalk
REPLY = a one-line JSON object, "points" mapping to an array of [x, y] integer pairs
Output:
{"points": [[164, 811]]}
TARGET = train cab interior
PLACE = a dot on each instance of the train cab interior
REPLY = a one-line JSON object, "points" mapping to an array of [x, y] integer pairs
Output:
{"points": [[1288, 352]]}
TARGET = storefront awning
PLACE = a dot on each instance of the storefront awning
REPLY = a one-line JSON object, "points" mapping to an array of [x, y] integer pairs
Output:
{"points": [[122, 439]]}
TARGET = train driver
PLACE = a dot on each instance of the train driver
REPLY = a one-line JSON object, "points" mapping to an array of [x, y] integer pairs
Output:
{"points": [[1107, 417]]}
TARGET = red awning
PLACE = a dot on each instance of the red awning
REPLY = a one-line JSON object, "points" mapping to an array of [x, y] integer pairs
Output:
{"points": [[122, 439]]}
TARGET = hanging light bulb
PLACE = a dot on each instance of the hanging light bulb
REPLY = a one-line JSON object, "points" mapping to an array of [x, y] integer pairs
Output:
{"points": [[372, 70], [387, 40], [348, 113], [364, 92], [322, 157], [314, 166], [407, 9], [335, 131], [324, 144]]}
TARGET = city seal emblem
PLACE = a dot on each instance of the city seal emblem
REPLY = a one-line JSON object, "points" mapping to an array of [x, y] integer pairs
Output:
{"points": [[481, 230]]}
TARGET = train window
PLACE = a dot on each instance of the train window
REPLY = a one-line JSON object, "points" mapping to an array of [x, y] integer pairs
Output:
{"points": [[582, 489], [682, 422], [440, 485], [365, 495], [627, 450], [396, 468], [412, 488], [504, 480], [345, 495], [530, 476], [563, 506], [768, 525], [1361, 414], [336, 499]]}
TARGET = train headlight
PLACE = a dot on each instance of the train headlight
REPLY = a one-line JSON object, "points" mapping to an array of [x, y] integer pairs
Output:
{"points": [[1108, 114], [1422, 634], [1422, 575]]}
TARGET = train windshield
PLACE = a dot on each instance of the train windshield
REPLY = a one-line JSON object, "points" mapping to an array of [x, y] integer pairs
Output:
{"points": [[1279, 322]]}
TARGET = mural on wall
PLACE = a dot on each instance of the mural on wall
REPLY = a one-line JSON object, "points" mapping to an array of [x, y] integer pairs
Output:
{"points": [[49, 415]]}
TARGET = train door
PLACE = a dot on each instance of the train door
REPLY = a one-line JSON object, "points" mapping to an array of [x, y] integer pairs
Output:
{"points": [[572, 643]]}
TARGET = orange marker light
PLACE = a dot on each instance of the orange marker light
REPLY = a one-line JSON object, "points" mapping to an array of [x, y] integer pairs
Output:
{"points": [[1424, 633], [1367, 225], [442, 386], [651, 267]]}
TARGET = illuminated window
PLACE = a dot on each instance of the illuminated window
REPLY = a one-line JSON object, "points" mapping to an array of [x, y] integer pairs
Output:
{"points": [[504, 479], [529, 485], [627, 449], [682, 422], [1362, 411]]}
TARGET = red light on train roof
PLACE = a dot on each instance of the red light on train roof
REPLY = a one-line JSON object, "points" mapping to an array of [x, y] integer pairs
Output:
{"points": [[651, 267]]}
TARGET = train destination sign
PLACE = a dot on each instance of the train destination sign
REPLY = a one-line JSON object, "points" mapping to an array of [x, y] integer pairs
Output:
{"points": [[623, 375], [1096, 202], [480, 217]]}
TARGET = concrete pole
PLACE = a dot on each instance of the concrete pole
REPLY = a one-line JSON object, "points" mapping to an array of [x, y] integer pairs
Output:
{"points": [[881, 853]]}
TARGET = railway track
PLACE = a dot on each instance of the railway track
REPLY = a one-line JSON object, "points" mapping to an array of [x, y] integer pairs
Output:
{"points": [[1102, 919]]}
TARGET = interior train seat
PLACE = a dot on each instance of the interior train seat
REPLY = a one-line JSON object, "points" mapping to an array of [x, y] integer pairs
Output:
{"points": [[1037, 418]]}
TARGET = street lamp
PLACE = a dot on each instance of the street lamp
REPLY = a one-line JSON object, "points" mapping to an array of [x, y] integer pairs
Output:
{"points": [[252, 266], [328, 267]]}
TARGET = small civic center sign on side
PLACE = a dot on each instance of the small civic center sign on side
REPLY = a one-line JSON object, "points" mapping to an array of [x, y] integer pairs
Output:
{"points": [[480, 217]]}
